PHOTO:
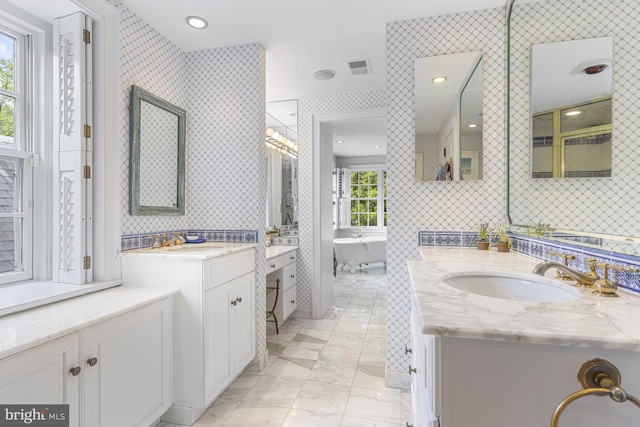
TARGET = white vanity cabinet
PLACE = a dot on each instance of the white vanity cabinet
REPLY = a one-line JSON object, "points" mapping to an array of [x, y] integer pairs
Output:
{"points": [[214, 322], [283, 268], [42, 375], [229, 340], [114, 373], [461, 382]]}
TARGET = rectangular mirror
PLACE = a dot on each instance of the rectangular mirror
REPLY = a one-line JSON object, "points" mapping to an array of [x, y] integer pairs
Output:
{"points": [[282, 170], [595, 209], [157, 158], [571, 100], [448, 117]]}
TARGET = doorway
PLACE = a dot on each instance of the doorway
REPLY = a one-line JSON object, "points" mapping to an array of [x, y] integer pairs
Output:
{"points": [[322, 201]]}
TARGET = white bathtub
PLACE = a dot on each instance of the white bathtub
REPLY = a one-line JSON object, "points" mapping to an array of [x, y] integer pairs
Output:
{"points": [[353, 252]]}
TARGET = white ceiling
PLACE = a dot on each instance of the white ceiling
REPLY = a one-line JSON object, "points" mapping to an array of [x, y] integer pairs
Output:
{"points": [[563, 83], [434, 101], [300, 38], [359, 137]]}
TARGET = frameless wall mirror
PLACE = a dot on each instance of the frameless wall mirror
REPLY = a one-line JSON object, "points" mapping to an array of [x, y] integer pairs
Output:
{"points": [[571, 100], [596, 210], [157, 158], [448, 117], [282, 161]]}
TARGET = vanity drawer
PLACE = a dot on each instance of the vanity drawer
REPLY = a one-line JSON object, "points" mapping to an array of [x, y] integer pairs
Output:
{"points": [[289, 276], [274, 264], [223, 269], [290, 257]]}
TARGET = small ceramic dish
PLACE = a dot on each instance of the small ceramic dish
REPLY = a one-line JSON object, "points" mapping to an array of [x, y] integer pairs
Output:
{"points": [[191, 238]]}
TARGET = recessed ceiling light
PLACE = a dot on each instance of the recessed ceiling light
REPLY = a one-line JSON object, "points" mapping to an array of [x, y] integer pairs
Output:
{"points": [[573, 113], [339, 141], [439, 79], [324, 74], [197, 22], [376, 146], [472, 125]]}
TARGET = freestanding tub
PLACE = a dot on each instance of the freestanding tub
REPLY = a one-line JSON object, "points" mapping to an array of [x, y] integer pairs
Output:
{"points": [[355, 251]]}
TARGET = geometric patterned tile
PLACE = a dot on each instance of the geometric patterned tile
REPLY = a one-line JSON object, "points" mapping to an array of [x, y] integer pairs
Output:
{"points": [[444, 206], [223, 92]]}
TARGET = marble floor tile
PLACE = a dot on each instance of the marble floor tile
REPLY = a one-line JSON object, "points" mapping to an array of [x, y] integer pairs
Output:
{"points": [[368, 422], [378, 404], [303, 350], [257, 415], [298, 369], [270, 391], [217, 413], [321, 324], [356, 316], [323, 397], [239, 389], [313, 336], [330, 370], [347, 340], [369, 376], [299, 417], [352, 326], [341, 354], [377, 329]]}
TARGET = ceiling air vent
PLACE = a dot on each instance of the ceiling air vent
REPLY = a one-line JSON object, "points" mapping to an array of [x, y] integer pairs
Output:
{"points": [[359, 67]]}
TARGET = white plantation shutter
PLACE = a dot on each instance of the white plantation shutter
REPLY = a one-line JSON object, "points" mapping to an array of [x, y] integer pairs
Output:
{"points": [[73, 151], [344, 201]]}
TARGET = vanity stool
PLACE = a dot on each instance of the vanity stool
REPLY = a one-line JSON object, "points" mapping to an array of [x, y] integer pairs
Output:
{"points": [[271, 313]]}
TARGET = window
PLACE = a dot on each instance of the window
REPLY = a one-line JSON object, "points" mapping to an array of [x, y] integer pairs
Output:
{"points": [[369, 198], [15, 152]]}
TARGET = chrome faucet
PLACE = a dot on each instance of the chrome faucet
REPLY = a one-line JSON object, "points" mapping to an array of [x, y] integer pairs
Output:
{"points": [[583, 279]]}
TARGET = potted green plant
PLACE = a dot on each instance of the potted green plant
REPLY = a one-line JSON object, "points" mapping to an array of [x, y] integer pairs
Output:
{"points": [[504, 241], [483, 242]]}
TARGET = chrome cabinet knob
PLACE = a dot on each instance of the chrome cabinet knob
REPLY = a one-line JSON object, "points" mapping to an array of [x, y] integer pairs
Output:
{"points": [[239, 299], [412, 370], [407, 350], [92, 361], [75, 371]]}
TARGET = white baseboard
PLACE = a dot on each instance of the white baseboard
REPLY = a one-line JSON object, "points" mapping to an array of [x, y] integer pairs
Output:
{"points": [[395, 379]]}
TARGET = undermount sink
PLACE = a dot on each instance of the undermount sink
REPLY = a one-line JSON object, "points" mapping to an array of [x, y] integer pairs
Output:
{"points": [[513, 286]]}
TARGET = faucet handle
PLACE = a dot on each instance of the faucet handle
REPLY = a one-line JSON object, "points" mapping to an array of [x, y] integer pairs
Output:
{"points": [[565, 257], [605, 287], [560, 275]]}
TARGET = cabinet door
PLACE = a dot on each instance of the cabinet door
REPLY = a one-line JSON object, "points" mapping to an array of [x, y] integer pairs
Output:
{"points": [[242, 322], [217, 364], [127, 367], [42, 376]]}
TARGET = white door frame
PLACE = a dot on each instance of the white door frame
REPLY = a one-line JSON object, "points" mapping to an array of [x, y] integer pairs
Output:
{"points": [[322, 279]]}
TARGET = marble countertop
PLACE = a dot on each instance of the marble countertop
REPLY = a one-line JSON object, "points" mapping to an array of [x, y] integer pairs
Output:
{"points": [[277, 250], [27, 329], [192, 250], [587, 321]]}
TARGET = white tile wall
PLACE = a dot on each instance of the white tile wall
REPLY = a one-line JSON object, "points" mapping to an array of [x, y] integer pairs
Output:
{"points": [[562, 202], [148, 60], [428, 145], [223, 91], [415, 206]]}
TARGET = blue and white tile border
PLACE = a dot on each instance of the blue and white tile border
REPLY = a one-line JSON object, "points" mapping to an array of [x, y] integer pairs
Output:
{"points": [[541, 249], [140, 241]]}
